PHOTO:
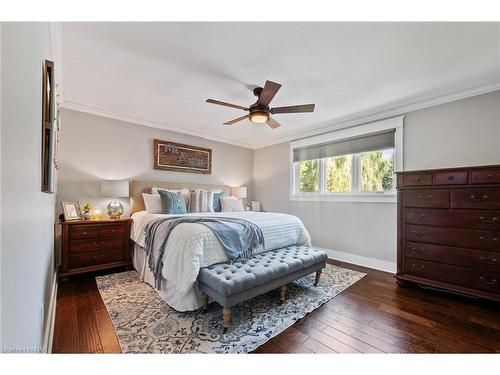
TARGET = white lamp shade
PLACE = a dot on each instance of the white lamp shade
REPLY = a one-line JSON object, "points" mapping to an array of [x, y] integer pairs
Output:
{"points": [[239, 192], [115, 189]]}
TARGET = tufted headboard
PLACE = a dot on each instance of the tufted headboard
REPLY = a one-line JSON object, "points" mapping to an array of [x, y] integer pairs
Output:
{"points": [[138, 187]]}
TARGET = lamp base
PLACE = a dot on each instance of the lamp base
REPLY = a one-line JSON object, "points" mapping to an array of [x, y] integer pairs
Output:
{"points": [[115, 209]]}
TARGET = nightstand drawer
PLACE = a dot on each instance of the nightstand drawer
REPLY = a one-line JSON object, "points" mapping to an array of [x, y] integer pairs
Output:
{"points": [[96, 258], [82, 232], [112, 231], [81, 246]]}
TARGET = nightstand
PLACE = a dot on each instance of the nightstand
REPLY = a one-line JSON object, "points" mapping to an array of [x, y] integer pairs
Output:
{"points": [[91, 245]]}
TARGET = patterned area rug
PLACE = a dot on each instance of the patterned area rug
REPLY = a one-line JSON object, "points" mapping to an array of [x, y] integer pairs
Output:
{"points": [[144, 323]]}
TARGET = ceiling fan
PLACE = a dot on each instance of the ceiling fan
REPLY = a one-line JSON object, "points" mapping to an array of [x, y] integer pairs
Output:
{"points": [[260, 111]]}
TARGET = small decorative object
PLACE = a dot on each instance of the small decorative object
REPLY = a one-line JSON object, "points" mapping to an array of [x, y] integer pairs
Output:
{"points": [[255, 206], [86, 211], [97, 214], [115, 189], [178, 157], [241, 193], [71, 211]]}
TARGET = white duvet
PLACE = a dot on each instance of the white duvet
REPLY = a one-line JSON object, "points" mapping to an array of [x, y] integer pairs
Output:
{"points": [[192, 246]]}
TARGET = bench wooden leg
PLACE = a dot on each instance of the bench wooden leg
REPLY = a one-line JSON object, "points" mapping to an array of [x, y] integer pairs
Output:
{"points": [[226, 318], [205, 302], [318, 275], [282, 294]]}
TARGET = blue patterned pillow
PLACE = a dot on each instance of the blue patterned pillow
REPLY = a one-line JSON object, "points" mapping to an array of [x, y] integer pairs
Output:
{"points": [[172, 203], [217, 206]]}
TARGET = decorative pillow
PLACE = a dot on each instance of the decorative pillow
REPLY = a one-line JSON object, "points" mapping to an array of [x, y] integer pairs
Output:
{"points": [[231, 204], [172, 203], [201, 201], [185, 193], [217, 205], [152, 203]]}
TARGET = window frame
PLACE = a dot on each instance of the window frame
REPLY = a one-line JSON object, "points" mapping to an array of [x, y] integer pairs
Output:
{"points": [[395, 123]]}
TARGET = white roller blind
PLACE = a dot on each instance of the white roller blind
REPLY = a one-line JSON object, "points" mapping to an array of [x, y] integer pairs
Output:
{"points": [[366, 143]]}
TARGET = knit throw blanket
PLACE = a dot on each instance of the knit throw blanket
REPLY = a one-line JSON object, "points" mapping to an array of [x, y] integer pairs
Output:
{"points": [[238, 237]]}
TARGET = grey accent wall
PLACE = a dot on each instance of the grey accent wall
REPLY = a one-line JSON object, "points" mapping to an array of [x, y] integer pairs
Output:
{"points": [[27, 214], [95, 148], [461, 133]]}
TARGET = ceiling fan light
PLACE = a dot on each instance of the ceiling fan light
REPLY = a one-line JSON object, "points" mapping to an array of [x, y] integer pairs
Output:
{"points": [[259, 117]]}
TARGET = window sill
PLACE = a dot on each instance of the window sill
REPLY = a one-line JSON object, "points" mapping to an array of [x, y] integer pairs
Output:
{"points": [[340, 197]]}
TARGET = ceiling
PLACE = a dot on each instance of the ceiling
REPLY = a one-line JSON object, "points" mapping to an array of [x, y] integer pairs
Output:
{"points": [[160, 74]]}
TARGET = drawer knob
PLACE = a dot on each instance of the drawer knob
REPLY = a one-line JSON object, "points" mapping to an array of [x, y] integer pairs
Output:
{"points": [[490, 176], [450, 178], [482, 198], [493, 240], [84, 233], [417, 179], [99, 256], [488, 261], [493, 220], [492, 282]]}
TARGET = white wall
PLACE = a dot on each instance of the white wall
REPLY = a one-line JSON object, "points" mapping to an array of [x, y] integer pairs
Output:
{"points": [[94, 148], [461, 133], [27, 214]]}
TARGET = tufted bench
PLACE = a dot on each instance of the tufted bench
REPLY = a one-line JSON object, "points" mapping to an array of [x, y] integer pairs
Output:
{"points": [[230, 284]]}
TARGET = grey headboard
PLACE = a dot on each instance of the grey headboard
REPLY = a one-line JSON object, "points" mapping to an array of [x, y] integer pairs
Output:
{"points": [[138, 187]]}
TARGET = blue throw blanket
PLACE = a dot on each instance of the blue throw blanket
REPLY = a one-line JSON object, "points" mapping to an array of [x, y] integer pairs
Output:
{"points": [[238, 237]]}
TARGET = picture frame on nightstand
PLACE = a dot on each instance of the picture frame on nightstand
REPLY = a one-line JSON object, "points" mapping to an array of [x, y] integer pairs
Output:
{"points": [[255, 206]]}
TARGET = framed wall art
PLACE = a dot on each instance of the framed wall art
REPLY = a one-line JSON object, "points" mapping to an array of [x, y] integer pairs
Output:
{"points": [[172, 156]]}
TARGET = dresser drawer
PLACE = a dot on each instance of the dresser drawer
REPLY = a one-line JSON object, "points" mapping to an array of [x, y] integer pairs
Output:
{"points": [[418, 179], [476, 259], [450, 178], [453, 218], [96, 258], [81, 232], [111, 231], [480, 198], [81, 246], [469, 278], [437, 198], [485, 177], [465, 238]]}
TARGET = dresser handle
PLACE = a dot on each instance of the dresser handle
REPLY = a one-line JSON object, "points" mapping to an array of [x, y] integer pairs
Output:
{"points": [[483, 198], [84, 233], [450, 178], [488, 261], [490, 176], [417, 233], [421, 197], [417, 179], [99, 256], [493, 240], [415, 266], [416, 249], [492, 282], [493, 220], [429, 197]]}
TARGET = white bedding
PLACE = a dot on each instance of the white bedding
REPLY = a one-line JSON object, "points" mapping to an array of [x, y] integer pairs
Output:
{"points": [[192, 246]]}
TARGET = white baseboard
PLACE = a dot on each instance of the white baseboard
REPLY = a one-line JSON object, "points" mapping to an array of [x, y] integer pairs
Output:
{"points": [[359, 260], [51, 317]]}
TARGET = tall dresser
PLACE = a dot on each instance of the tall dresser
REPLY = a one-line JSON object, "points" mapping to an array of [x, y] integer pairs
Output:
{"points": [[449, 229]]}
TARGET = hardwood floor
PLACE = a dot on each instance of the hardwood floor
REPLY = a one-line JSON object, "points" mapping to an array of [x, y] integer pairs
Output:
{"points": [[372, 316]]}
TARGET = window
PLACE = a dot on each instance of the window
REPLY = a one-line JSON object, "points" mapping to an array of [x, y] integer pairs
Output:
{"points": [[355, 164]]}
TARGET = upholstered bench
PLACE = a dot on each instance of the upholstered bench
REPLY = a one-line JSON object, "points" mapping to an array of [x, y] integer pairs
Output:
{"points": [[230, 284]]}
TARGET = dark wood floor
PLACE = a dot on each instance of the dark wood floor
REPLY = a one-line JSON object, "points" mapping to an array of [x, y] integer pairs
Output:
{"points": [[372, 316]]}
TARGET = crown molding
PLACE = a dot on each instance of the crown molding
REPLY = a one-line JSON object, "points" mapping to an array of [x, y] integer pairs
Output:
{"points": [[145, 122], [354, 119], [397, 111]]}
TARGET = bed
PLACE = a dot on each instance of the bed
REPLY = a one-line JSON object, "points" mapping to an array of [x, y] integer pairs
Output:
{"points": [[192, 246]]}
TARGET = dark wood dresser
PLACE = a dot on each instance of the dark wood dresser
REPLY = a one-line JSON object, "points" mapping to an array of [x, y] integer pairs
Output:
{"points": [[449, 229], [91, 245]]}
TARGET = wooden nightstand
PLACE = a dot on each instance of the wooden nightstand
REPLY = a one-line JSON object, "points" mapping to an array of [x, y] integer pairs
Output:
{"points": [[91, 245]]}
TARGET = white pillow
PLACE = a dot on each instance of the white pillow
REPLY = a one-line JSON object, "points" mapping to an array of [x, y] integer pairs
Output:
{"points": [[185, 193], [201, 201], [231, 204], [152, 203]]}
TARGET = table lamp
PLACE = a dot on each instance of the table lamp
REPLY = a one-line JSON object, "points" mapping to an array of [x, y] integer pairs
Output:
{"points": [[115, 189]]}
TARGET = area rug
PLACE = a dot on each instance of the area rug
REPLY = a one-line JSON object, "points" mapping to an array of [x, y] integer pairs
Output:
{"points": [[144, 323]]}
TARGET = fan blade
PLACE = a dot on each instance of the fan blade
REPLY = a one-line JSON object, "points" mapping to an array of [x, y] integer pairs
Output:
{"points": [[213, 101], [268, 93], [293, 109], [273, 124], [236, 120]]}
